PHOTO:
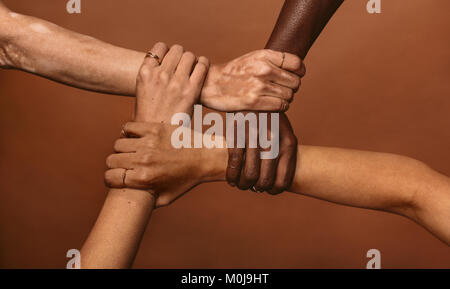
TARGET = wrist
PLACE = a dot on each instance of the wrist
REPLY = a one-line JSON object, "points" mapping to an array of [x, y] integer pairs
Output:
{"points": [[10, 54], [210, 88], [213, 164]]}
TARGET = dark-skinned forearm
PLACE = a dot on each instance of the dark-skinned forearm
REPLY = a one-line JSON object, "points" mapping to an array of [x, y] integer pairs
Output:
{"points": [[300, 23]]}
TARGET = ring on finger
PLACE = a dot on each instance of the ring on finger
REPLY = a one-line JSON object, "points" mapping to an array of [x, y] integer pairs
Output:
{"points": [[124, 177], [154, 56]]}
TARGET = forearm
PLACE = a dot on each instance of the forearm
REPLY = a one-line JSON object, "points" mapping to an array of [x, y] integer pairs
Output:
{"points": [[370, 180], [379, 181], [115, 238], [300, 23], [40, 47]]}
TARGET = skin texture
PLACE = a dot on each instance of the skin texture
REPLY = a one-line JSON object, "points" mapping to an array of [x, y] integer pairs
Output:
{"points": [[370, 180], [298, 26], [251, 82], [175, 86]]}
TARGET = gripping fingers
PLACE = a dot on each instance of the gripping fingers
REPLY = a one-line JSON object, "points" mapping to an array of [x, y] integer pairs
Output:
{"points": [[235, 160], [267, 175], [124, 178], [124, 161], [172, 58], [114, 178], [285, 171], [279, 91], [285, 78], [200, 71], [137, 129], [159, 49], [286, 61], [186, 65], [270, 103], [250, 172], [126, 145]]}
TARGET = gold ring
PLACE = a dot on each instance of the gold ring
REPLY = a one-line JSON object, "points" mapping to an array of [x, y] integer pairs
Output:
{"points": [[154, 56]]}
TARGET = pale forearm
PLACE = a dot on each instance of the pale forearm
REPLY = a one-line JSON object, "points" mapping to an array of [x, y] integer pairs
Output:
{"points": [[379, 181], [370, 180], [43, 48], [115, 238]]}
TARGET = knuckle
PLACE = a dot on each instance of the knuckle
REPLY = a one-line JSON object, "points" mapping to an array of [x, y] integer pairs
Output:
{"points": [[145, 178], [260, 85], [109, 161], [235, 160], [251, 99], [146, 158], [261, 53], [289, 94], [291, 141], [116, 145], [145, 73], [264, 69], [251, 176], [265, 184], [296, 62], [108, 179], [298, 82], [279, 187], [163, 76]]}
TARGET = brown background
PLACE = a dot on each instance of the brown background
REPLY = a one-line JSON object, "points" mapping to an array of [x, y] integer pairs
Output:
{"points": [[375, 82]]}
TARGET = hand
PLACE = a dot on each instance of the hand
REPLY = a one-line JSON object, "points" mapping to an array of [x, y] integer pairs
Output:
{"points": [[272, 176], [162, 90], [263, 80], [169, 88], [154, 164]]}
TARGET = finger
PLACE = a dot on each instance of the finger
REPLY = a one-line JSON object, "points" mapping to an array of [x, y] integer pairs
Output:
{"points": [[288, 156], [159, 49], [250, 172], [235, 160], [286, 61], [126, 145], [115, 178], [294, 64], [172, 58], [200, 71], [124, 161], [267, 175], [186, 65], [270, 103], [285, 78], [139, 179], [137, 129], [285, 171], [275, 90]]}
